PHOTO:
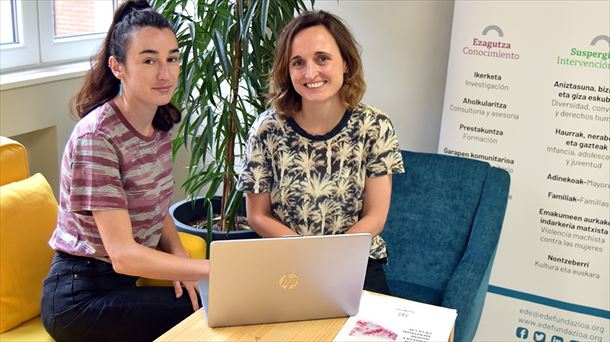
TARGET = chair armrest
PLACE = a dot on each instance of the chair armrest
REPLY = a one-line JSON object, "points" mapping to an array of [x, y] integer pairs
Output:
{"points": [[13, 160], [467, 286], [194, 245]]}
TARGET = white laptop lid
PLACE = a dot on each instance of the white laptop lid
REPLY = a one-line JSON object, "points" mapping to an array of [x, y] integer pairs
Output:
{"points": [[284, 279]]}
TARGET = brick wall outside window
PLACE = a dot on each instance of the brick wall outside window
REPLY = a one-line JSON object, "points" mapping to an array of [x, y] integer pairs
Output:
{"points": [[76, 17]]}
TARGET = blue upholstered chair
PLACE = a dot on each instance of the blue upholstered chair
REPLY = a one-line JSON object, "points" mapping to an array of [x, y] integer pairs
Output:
{"points": [[442, 232]]}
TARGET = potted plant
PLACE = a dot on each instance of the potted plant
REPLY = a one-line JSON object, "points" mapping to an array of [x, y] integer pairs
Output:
{"points": [[227, 51]]}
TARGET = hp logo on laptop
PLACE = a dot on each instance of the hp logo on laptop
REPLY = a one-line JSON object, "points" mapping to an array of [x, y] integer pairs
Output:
{"points": [[289, 281]]}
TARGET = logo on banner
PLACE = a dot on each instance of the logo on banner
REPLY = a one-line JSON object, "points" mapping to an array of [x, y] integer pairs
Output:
{"points": [[596, 56], [556, 339], [539, 336], [522, 333], [491, 44]]}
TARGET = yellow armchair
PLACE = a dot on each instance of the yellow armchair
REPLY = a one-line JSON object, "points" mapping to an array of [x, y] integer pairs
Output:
{"points": [[28, 214]]}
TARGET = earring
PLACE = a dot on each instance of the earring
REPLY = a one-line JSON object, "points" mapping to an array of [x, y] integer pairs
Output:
{"points": [[120, 88]]}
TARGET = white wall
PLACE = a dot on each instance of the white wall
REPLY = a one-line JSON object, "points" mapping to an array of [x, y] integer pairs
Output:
{"points": [[405, 48], [38, 116]]}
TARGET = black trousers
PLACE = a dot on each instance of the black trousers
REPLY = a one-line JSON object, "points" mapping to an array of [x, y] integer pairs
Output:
{"points": [[375, 279], [83, 299]]}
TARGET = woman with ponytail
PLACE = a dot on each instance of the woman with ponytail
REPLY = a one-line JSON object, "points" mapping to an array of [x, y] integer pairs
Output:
{"points": [[116, 185]]}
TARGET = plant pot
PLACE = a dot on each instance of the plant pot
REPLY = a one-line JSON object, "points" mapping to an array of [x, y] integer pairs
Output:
{"points": [[186, 211]]}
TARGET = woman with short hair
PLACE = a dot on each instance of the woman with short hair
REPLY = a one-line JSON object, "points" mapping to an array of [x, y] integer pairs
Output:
{"points": [[319, 161]]}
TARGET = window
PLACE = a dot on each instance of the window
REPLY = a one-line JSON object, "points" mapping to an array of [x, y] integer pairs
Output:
{"points": [[22, 49], [51, 31], [8, 32]]}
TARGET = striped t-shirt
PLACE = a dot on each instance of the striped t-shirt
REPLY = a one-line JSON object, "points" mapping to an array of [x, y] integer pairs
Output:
{"points": [[107, 164]]}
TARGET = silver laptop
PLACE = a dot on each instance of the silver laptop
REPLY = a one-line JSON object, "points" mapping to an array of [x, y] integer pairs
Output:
{"points": [[284, 279]]}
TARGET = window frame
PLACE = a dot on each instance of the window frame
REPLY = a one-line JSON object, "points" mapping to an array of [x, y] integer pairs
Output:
{"points": [[37, 45], [26, 51]]}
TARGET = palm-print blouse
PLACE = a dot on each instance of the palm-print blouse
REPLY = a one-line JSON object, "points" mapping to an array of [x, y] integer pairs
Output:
{"points": [[317, 181]]}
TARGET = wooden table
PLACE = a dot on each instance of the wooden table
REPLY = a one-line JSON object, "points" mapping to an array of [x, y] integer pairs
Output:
{"points": [[195, 328]]}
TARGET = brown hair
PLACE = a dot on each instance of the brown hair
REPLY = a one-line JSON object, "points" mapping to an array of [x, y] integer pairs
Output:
{"points": [[100, 84], [282, 95]]}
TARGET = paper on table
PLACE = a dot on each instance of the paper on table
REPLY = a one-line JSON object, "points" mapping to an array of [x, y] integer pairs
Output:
{"points": [[386, 318]]}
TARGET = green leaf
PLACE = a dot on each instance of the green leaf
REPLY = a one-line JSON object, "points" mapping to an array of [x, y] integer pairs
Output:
{"points": [[245, 26], [187, 126], [210, 219], [264, 14], [219, 44], [232, 206]]}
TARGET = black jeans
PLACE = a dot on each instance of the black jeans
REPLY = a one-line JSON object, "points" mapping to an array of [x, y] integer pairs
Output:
{"points": [[375, 279], [83, 299]]}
